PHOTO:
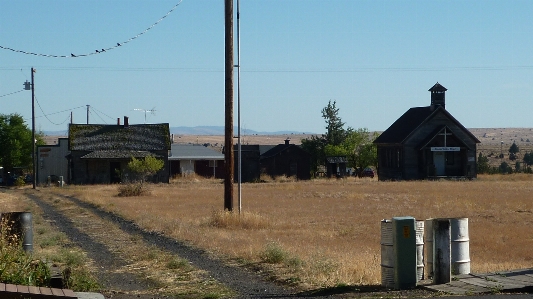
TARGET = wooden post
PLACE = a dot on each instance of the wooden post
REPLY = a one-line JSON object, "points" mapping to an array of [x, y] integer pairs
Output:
{"points": [[33, 148], [228, 139]]}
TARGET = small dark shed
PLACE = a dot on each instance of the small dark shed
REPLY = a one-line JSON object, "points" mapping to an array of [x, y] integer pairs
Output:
{"points": [[288, 160], [425, 143], [250, 170], [336, 166]]}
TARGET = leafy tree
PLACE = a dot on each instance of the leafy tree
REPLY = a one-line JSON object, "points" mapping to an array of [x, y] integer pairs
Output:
{"points": [[356, 145], [528, 158], [513, 150], [505, 168], [16, 142], [335, 150], [335, 135], [316, 147], [142, 169], [335, 132], [518, 166], [483, 164]]}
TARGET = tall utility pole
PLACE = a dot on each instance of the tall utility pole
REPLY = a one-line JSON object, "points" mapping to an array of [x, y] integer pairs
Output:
{"points": [[88, 113], [239, 149], [34, 155], [228, 142]]}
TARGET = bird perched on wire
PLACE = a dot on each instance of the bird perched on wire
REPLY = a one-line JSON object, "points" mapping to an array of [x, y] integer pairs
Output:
{"points": [[97, 51], [72, 55], [118, 45], [103, 50]]}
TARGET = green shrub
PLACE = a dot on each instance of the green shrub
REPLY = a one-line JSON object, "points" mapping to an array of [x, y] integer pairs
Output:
{"points": [[18, 267], [19, 182], [274, 254], [178, 263], [80, 279]]}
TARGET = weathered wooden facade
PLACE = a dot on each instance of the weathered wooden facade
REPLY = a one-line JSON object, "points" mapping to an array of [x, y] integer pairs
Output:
{"points": [[336, 166], [427, 143], [52, 162], [100, 153], [250, 169], [287, 160], [275, 160]]}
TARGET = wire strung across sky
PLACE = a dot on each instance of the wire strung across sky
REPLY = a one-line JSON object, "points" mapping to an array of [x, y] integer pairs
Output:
{"points": [[98, 112], [8, 94], [103, 50]]}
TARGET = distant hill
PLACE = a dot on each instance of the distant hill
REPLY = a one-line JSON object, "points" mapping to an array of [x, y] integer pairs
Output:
{"points": [[501, 137], [220, 130], [200, 130]]}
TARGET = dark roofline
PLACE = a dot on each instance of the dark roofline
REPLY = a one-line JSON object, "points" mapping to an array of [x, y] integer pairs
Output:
{"points": [[422, 122]]}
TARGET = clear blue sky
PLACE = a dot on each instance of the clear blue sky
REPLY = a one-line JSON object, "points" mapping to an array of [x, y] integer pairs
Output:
{"points": [[376, 59]]}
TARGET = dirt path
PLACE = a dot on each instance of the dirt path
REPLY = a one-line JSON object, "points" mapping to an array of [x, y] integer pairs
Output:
{"points": [[111, 264], [114, 245]]}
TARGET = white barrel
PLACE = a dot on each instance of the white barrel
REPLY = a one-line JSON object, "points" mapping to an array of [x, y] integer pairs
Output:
{"points": [[387, 254], [460, 246], [419, 230], [429, 248]]}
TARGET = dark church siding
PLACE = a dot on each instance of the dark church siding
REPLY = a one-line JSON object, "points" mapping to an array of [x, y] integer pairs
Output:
{"points": [[426, 142]]}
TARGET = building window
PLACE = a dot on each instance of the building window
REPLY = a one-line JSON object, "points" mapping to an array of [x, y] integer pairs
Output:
{"points": [[392, 157]]}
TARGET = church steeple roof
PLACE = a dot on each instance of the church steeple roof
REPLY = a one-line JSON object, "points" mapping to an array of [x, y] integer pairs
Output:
{"points": [[437, 87]]}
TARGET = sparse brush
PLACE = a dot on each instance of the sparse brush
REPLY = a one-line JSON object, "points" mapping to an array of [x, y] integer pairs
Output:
{"points": [[232, 220], [133, 189], [265, 178], [274, 254], [178, 263], [190, 178], [285, 179]]}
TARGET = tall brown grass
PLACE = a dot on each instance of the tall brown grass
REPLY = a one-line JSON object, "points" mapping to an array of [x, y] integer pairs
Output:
{"points": [[328, 231]]}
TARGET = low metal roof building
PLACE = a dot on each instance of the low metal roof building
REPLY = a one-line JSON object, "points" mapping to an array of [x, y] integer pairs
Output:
{"points": [[186, 159]]}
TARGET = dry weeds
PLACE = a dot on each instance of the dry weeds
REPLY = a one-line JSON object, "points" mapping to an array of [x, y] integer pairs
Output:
{"points": [[329, 230]]}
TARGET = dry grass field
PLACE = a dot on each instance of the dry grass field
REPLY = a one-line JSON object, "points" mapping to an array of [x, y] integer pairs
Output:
{"points": [[327, 232]]}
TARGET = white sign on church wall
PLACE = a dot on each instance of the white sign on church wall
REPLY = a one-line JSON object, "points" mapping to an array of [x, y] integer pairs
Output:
{"points": [[445, 149]]}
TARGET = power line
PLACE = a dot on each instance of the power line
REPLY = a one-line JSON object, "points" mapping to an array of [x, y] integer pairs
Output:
{"points": [[98, 111], [98, 51], [97, 114], [293, 70], [8, 94], [46, 115]]}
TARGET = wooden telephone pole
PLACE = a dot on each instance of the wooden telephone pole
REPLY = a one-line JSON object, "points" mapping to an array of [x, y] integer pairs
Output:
{"points": [[228, 138]]}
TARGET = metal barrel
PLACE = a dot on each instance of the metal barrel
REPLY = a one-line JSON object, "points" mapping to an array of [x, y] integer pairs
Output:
{"points": [[387, 254], [429, 247], [419, 230], [18, 228], [460, 246]]}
